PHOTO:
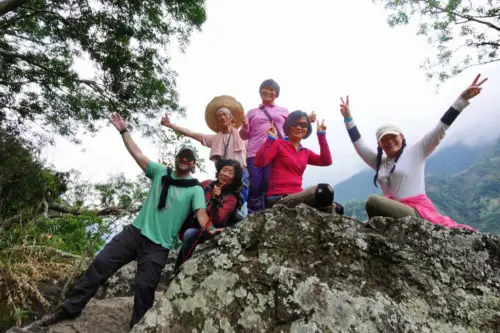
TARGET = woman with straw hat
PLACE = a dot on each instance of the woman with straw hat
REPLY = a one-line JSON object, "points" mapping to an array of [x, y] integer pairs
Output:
{"points": [[223, 115], [400, 169]]}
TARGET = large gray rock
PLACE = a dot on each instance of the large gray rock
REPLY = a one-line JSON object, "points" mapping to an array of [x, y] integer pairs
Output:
{"points": [[299, 270]]}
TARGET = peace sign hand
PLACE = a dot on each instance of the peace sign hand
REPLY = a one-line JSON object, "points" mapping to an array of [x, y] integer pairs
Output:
{"points": [[321, 127], [474, 89], [344, 108], [272, 131], [217, 190]]}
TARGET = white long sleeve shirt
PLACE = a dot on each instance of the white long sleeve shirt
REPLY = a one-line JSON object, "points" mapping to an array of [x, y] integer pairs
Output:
{"points": [[407, 179]]}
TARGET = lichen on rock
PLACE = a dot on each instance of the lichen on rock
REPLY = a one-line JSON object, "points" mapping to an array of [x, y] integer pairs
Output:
{"points": [[301, 270]]}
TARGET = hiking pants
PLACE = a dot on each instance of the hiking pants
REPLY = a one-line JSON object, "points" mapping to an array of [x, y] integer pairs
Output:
{"points": [[191, 239], [126, 246], [307, 196], [377, 205], [259, 179]]}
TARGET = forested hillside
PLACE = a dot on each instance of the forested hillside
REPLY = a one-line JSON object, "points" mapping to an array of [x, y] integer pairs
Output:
{"points": [[463, 182]]}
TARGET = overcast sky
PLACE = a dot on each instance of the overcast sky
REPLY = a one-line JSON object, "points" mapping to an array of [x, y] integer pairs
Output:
{"points": [[317, 53]]}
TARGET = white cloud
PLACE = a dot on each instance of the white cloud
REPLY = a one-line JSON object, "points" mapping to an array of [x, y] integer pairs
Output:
{"points": [[317, 52]]}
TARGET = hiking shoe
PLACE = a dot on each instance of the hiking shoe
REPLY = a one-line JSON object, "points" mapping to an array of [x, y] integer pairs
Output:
{"points": [[55, 317]]}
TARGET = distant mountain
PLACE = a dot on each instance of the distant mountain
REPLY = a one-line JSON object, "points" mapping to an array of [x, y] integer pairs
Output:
{"points": [[462, 182], [444, 162]]}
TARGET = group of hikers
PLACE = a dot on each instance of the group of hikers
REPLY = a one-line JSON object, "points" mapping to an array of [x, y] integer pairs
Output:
{"points": [[260, 161]]}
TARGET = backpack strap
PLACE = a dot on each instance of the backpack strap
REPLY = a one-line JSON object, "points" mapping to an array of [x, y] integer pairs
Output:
{"points": [[263, 109], [167, 181]]}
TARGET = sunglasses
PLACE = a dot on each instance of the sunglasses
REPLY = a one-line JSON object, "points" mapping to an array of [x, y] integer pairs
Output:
{"points": [[302, 124], [186, 155]]}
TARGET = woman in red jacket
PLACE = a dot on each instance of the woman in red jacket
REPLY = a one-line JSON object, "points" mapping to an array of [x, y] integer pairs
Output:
{"points": [[288, 160], [223, 199]]}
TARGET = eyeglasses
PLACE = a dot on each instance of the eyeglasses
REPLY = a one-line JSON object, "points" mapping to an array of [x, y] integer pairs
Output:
{"points": [[186, 155], [302, 124]]}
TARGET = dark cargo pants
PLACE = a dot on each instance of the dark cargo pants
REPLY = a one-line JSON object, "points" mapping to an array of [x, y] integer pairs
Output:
{"points": [[126, 246]]}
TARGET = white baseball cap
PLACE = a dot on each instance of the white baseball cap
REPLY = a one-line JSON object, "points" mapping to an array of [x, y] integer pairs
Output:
{"points": [[387, 129]]}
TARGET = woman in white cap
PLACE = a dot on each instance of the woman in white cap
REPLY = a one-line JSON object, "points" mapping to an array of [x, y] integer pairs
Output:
{"points": [[400, 172], [223, 115]]}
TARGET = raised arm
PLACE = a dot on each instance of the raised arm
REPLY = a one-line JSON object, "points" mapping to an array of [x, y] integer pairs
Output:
{"points": [[432, 139], [269, 150], [365, 152], [165, 121], [244, 129], [325, 157], [121, 125]]}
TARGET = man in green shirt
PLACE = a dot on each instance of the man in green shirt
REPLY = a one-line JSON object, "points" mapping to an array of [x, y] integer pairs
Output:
{"points": [[172, 197]]}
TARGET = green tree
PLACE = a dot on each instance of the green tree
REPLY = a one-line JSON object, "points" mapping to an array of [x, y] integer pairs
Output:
{"points": [[465, 33], [125, 41], [168, 144], [24, 181]]}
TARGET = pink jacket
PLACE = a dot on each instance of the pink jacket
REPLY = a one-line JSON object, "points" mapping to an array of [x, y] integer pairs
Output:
{"points": [[258, 124], [237, 152], [423, 205]]}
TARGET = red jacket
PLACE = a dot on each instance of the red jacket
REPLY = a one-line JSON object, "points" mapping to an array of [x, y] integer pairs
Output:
{"points": [[221, 215], [218, 216], [288, 164]]}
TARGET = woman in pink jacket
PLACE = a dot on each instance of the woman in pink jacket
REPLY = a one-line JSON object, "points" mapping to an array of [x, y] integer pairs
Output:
{"points": [[254, 130], [400, 172]]}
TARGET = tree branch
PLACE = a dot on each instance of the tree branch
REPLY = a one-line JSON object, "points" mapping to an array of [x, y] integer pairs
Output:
{"points": [[7, 6], [23, 57], [479, 64], [494, 44], [78, 211], [92, 84], [467, 17], [12, 34]]}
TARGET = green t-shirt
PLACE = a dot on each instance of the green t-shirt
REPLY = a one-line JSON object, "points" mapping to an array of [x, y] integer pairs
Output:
{"points": [[162, 226]]}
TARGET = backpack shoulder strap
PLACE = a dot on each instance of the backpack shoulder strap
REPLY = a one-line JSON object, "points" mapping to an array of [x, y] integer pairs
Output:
{"points": [[270, 119]]}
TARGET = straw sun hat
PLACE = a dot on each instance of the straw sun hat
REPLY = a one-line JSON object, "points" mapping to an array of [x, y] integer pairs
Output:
{"points": [[223, 101]]}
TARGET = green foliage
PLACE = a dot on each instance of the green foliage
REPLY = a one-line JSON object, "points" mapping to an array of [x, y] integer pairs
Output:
{"points": [[74, 234], [168, 143], [356, 209], [472, 196], [126, 194], [24, 181], [125, 41], [465, 33]]}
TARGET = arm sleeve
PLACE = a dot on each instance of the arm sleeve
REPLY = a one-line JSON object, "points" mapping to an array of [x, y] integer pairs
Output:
{"points": [[432, 139], [366, 153], [244, 132], [207, 140], [154, 169], [267, 152], [198, 200], [324, 158], [223, 213]]}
